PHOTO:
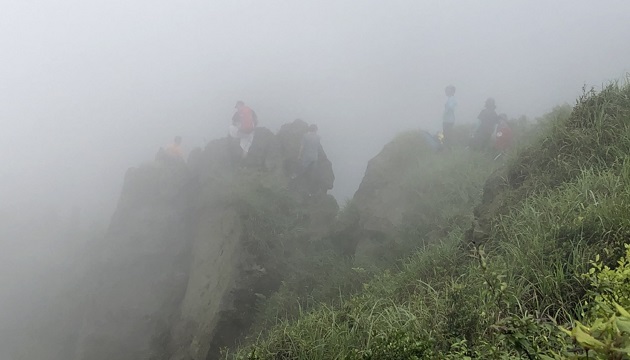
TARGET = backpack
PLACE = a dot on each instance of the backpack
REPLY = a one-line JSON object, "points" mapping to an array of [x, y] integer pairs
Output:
{"points": [[247, 120]]}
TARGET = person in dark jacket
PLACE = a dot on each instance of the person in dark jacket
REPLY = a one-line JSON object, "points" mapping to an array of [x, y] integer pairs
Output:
{"points": [[488, 120]]}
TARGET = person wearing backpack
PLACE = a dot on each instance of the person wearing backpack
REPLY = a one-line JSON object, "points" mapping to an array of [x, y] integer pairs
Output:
{"points": [[244, 121], [488, 120], [174, 149], [245, 117]]}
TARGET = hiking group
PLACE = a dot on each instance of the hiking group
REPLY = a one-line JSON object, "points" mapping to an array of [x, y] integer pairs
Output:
{"points": [[241, 133], [492, 132]]}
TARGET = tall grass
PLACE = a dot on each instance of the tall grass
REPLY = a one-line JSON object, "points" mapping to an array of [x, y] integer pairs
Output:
{"points": [[567, 198], [439, 202]]}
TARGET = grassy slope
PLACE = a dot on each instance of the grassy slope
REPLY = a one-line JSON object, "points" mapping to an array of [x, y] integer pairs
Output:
{"points": [[326, 275], [562, 199]]}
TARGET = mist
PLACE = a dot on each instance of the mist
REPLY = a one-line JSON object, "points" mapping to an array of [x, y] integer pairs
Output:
{"points": [[90, 88]]}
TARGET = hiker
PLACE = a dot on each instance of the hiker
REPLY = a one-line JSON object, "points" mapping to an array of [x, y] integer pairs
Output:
{"points": [[172, 153], [309, 150], [503, 139], [448, 118], [488, 120], [174, 149], [244, 121]]}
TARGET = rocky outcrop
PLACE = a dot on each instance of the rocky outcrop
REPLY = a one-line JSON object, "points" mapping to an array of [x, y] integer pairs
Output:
{"points": [[182, 265], [381, 201], [142, 269], [321, 177]]}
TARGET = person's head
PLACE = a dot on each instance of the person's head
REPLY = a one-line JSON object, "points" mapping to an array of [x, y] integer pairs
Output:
{"points": [[490, 104], [239, 104], [177, 140], [312, 128], [449, 90]]}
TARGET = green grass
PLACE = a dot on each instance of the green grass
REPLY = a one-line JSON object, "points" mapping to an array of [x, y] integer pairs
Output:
{"points": [[438, 204], [562, 198]]}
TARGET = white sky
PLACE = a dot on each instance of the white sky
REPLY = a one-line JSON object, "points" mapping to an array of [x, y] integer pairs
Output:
{"points": [[90, 88]]}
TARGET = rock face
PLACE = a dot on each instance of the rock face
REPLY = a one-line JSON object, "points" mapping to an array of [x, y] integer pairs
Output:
{"points": [[380, 201], [179, 264], [142, 271]]}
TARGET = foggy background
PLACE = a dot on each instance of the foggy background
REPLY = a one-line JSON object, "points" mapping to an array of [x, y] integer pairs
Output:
{"points": [[90, 88]]}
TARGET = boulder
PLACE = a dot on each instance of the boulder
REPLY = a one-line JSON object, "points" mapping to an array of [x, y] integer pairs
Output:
{"points": [[381, 202]]}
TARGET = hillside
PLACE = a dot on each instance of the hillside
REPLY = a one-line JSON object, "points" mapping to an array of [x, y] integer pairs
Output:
{"points": [[530, 264], [445, 254]]}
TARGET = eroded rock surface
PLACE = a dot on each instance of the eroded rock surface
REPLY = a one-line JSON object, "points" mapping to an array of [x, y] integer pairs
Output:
{"points": [[381, 202], [180, 268]]}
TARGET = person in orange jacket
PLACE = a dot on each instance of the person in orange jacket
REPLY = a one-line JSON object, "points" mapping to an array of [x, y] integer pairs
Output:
{"points": [[172, 153], [175, 148], [244, 121], [245, 118]]}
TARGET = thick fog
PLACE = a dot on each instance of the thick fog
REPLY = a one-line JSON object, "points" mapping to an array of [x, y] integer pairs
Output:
{"points": [[90, 88]]}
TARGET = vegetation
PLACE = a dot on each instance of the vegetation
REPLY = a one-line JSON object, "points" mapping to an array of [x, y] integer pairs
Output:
{"points": [[554, 221], [324, 274]]}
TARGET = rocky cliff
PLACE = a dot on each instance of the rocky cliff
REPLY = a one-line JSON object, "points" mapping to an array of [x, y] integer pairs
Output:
{"points": [[192, 246], [412, 194]]}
